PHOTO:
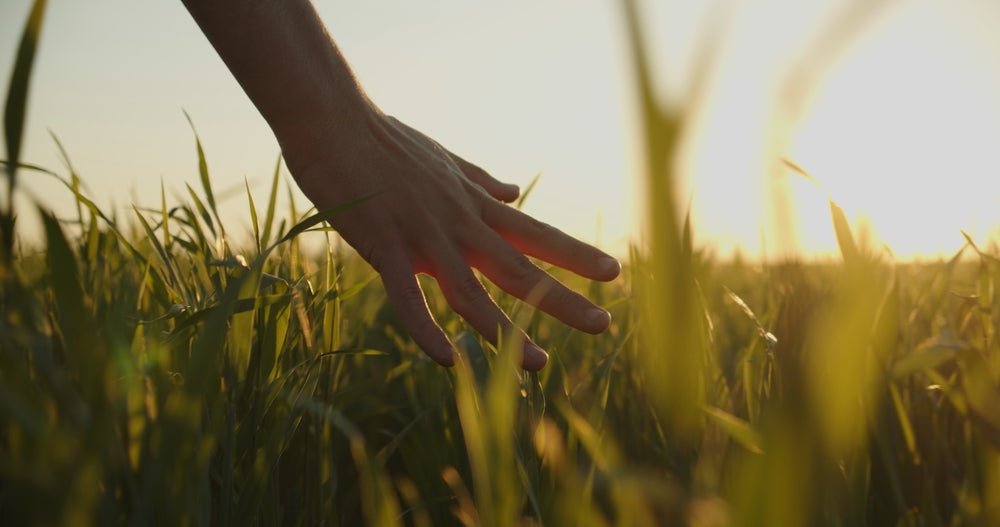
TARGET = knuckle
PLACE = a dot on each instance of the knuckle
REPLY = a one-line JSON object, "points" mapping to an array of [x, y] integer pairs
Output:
{"points": [[494, 211], [523, 270], [479, 174], [468, 290], [415, 317], [468, 217], [412, 297], [480, 199], [561, 296]]}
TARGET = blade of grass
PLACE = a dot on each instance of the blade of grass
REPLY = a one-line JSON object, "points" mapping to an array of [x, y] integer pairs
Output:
{"points": [[73, 176], [75, 319], [253, 217], [201, 209], [318, 218], [845, 239], [158, 247], [528, 190], [271, 200], [14, 112], [17, 93], [206, 181], [904, 422], [736, 428], [165, 216]]}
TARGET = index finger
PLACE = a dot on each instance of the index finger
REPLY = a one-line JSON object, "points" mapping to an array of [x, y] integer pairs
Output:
{"points": [[543, 241]]}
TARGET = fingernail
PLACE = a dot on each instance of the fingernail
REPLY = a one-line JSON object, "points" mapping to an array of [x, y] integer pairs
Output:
{"points": [[599, 318], [535, 358], [446, 357], [609, 266]]}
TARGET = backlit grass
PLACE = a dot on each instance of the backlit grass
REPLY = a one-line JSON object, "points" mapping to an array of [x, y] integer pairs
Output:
{"points": [[153, 370]]}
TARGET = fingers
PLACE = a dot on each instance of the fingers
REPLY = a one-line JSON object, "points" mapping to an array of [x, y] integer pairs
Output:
{"points": [[410, 306], [505, 192], [469, 299], [545, 242], [514, 273]]}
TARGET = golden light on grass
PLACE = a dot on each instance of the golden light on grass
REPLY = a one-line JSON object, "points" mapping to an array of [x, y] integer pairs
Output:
{"points": [[153, 370]]}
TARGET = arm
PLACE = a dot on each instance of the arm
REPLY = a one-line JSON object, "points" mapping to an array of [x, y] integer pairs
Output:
{"points": [[434, 212]]}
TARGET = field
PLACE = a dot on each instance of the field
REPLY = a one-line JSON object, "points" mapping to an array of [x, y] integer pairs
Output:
{"points": [[153, 371]]}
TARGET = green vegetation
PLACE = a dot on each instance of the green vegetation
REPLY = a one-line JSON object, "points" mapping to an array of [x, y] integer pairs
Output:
{"points": [[153, 373]]}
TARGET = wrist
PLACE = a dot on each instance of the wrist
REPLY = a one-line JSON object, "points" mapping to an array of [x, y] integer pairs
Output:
{"points": [[339, 127]]}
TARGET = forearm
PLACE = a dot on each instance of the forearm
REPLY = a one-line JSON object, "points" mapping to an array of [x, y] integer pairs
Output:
{"points": [[288, 65]]}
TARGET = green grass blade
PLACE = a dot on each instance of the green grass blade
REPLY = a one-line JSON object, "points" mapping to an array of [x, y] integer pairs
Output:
{"points": [[736, 428], [253, 217], [201, 209], [65, 279], [153, 239], [97, 212], [63, 154], [845, 239], [206, 181], [173, 281], [293, 250], [164, 215], [73, 176], [271, 201], [528, 190], [17, 92], [75, 320], [318, 218], [904, 422], [31, 166]]}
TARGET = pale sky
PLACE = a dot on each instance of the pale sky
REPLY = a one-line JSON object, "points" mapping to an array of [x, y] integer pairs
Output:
{"points": [[903, 128]]}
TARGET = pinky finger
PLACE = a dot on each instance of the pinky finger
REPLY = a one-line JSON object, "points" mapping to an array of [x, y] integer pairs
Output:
{"points": [[408, 302]]}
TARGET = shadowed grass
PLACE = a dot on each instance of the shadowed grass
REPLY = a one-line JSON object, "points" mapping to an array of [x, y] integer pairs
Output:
{"points": [[152, 377]]}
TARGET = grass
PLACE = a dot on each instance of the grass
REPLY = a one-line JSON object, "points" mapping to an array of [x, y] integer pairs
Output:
{"points": [[152, 372]]}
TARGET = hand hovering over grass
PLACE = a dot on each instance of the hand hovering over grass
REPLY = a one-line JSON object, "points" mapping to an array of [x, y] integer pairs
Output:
{"points": [[431, 212]]}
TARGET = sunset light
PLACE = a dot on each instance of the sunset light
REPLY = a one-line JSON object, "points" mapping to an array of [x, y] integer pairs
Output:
{"points": [[896, 114], [901, 130], [561, 262]]}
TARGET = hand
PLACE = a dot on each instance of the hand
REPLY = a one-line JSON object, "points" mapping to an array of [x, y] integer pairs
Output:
{"points": [[435, 213]]}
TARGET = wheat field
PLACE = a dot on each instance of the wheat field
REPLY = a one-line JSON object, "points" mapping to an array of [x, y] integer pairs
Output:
{"points": [[156, 370]]}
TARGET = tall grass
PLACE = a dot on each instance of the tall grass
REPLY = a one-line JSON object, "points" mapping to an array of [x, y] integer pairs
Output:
{"points": [[151, 372]]}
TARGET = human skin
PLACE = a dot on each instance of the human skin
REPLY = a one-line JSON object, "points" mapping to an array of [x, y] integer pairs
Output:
{"points": [[430, 211]]}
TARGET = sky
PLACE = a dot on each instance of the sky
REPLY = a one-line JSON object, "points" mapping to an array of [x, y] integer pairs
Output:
{"points": [[899, 120]]}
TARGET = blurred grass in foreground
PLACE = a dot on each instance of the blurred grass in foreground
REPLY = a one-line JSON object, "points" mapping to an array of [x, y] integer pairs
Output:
{"points": [[151, 372]]}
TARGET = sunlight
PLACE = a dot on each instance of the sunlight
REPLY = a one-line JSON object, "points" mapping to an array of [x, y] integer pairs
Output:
{"points": [[901, 130], [904, 132]]}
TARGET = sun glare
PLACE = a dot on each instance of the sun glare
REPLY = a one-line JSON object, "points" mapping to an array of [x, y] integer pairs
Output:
{"points": [[903, 134], [900, 129]]}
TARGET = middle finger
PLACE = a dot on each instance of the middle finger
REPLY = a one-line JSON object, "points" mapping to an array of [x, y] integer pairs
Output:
{"points": [[515, 273], [467, 296]]}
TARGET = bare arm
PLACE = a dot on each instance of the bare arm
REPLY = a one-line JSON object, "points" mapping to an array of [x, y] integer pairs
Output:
{"points": [[433, 213]]}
